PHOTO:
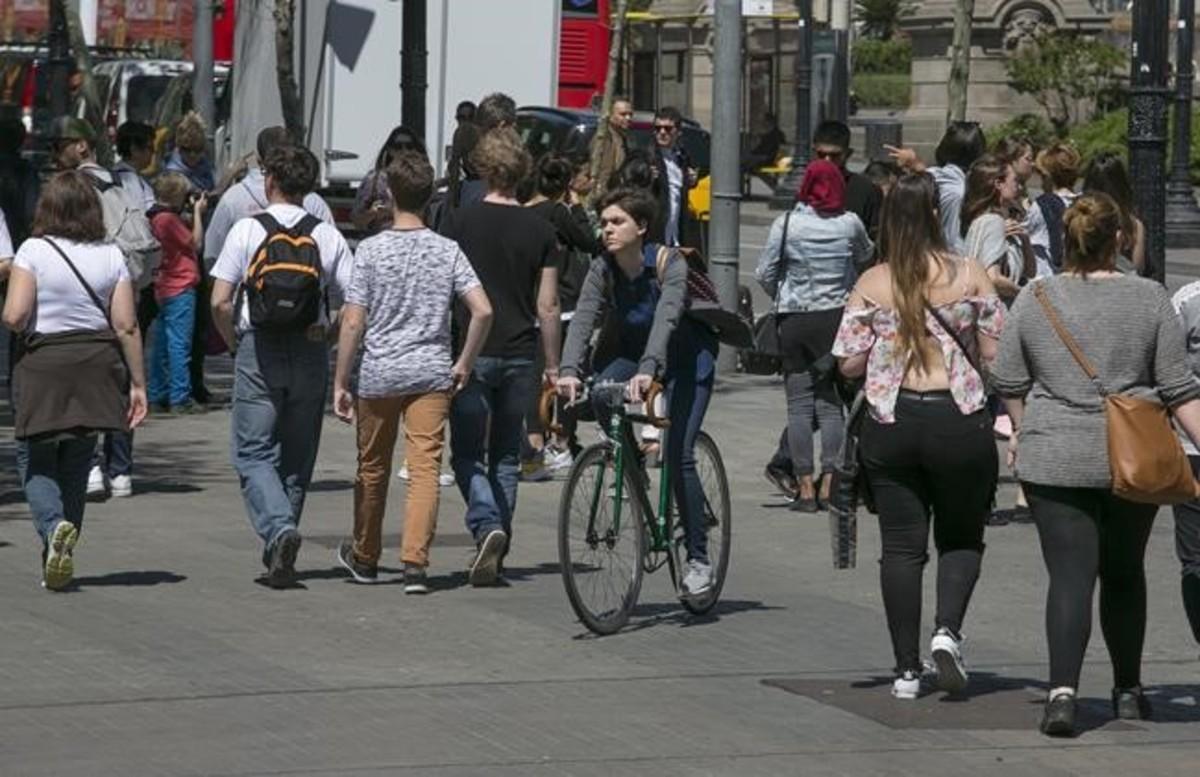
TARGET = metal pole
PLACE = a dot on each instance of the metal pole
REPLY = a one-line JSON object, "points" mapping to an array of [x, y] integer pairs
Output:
{"points": [[202, 69], [726, 147], [785, 192], [1148, 96], [58, 65], [1183, 215], [414, 66]]}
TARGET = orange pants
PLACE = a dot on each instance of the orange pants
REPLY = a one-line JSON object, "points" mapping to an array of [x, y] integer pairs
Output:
{"points": [[424, 417]]}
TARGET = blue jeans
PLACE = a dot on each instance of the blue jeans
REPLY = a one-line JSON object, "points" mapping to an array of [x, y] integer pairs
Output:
{"points": [[115, 455], [687, 402], [171, 350], [278, 406], [54, 475], [499, 389]]}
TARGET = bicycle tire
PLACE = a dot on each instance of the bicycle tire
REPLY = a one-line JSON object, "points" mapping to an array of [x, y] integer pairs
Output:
{"points": [[581, 576], [719, 514]]}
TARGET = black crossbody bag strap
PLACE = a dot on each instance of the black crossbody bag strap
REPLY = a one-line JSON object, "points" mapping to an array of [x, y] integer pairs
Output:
{"points": [[971, 359], [87, 286]]}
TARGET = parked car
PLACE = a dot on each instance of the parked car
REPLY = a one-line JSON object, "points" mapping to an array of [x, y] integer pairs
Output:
{"points": [[570, 132], [135, 89]]}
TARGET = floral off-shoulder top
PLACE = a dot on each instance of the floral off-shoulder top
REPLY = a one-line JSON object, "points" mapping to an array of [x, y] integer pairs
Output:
{"points": [[875, 328]]}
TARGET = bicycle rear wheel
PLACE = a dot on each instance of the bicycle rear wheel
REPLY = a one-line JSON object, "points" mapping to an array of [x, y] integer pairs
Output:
{"points": [[718, 513], [601, 558]]}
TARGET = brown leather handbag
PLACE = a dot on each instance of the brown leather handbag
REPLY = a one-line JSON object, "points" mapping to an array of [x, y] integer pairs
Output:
{"points": [[1147, 461]]}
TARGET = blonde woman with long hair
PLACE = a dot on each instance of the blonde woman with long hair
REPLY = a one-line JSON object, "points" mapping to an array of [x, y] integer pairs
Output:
{"points": [[917, 326]]}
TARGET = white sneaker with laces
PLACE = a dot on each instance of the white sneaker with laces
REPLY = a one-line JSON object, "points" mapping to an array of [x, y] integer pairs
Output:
{"points": [[698, 578], [946, 650], [122, 485], [445, 480], [95, 481], [907, 686], [557, 460]]}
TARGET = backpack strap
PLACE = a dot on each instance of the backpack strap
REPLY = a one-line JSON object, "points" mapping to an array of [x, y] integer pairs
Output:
{"points": [[268, 223]]}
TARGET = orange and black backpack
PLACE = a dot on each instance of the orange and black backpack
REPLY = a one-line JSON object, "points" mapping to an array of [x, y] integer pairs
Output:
{"points": [[283, 283]]}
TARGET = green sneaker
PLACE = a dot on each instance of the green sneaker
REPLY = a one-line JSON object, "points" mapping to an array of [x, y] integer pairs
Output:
{"points": [[60, 564]]}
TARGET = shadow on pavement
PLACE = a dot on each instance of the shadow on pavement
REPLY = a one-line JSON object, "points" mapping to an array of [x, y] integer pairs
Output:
{"points": [[647, 615], [133, 579], [990, 702]]}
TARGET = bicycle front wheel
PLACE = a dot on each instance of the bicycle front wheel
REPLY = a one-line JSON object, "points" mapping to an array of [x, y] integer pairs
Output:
{"points": [[718, 513], [600, 549]]}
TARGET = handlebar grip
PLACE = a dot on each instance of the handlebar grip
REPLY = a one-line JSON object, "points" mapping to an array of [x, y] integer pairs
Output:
{"points": [[654, 420], [546, 407]]}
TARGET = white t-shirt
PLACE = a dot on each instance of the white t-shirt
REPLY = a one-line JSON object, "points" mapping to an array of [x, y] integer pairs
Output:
{"points": [[245, 198], [675, 185], [6, 246], [247, 235], [62, 304]]}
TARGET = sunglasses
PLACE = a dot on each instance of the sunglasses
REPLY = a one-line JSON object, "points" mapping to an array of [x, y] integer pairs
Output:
{"points": [[663, 128], [830, 156]]}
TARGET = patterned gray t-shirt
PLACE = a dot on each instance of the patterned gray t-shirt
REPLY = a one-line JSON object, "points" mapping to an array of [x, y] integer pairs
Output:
{"points": [[407, 281]]}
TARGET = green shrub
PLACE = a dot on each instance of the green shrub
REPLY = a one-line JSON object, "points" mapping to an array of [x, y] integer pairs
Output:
{"points": [[882, 56], [1109, 132], [1031, 125], [882, 90]]}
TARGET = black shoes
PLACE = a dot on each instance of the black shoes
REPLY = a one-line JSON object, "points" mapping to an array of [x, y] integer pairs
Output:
{"points": [[281, 572], [1131, 704], [781, 479], [803, 505], [485, 570], [359, 572], [415, 581], [1058, 720]]}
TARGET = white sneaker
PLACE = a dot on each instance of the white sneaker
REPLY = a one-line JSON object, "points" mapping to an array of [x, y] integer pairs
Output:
{"points": [[445, 479], [122, 485], [402, 473], [947, 654], [95, 481], [557, 460], [907, 685], [698, 579]]}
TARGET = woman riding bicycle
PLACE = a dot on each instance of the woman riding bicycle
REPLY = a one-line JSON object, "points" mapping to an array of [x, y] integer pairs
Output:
{"points": [[645, 337]]}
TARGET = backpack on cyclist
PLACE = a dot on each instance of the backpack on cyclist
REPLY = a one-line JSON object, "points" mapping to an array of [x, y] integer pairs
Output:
{"points": [[283, 283], [127, 226], [702, 302]]}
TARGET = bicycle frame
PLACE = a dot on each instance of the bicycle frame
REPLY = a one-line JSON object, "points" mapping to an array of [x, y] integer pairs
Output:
{"points": [[620, 431]]}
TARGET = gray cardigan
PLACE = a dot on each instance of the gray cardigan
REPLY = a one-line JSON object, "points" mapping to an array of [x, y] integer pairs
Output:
{"points": [[593, 307], [1130, 333]]}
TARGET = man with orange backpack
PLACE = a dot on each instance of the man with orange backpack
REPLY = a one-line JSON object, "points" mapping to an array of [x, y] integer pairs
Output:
{"points": [[279, 275]]}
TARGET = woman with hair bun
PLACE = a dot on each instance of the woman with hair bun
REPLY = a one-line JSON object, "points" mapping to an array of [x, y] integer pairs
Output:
{"points": [[1128, 330]]}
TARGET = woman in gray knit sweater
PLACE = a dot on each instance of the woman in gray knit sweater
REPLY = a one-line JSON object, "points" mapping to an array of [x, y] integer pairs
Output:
{"points": [[1129, 331]]}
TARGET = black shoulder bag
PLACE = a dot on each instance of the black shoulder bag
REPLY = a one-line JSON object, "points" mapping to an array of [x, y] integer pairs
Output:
{"points": [[766, 358]]}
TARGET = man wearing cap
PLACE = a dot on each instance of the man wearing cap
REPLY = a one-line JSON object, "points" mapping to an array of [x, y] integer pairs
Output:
{"points": [[73, 147]]}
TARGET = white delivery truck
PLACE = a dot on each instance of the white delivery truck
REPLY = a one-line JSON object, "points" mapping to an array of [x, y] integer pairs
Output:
{"points": [[348, 68]]}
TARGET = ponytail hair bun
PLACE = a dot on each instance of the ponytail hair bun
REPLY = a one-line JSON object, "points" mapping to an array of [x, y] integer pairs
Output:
{"points": [[1092, 226]]}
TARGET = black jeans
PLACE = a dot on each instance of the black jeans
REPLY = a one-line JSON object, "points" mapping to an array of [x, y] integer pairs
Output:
{"points": [[1088, 533], [933, 465], [1187, 547]]}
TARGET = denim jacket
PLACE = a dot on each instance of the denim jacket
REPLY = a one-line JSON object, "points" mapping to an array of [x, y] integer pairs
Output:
{"points": [[820, 263]]}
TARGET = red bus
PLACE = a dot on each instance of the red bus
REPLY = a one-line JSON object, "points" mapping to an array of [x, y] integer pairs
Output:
{"points": [[582, 52]]}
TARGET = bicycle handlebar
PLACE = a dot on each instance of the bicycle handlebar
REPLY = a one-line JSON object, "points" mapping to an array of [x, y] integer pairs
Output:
{"points": [[547, 404]]}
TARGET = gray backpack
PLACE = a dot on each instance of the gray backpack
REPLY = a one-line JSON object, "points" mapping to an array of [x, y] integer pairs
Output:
{"points": [[127, 226]]}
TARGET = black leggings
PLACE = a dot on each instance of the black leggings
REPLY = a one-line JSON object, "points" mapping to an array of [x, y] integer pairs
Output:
{"points": [[933, 465], [1187, 546], [1088, 533]]}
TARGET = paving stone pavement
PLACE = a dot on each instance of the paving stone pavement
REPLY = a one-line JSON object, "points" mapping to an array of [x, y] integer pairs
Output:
{"points": [[170, 660]]}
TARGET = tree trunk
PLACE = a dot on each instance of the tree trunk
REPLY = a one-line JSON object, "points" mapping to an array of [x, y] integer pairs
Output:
{"points": [[960, 60], [285, 67], [88, 95], [615, 46]]}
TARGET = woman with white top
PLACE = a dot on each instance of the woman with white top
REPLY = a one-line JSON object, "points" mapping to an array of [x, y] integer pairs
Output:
{"points": [[79, 370], [989, 235]]}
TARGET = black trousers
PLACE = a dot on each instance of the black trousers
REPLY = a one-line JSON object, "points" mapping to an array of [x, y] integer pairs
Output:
{"points": [[1187, 547], [200, 339], [933, 467], [1089, 533]]}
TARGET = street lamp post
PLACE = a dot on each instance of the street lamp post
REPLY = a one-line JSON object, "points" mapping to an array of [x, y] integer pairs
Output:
{"points": [[785, 192], [1148, 96], [1183, 215], [59, 59]]}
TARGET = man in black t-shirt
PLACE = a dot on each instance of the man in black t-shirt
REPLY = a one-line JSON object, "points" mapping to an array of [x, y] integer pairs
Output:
{"points": [[514, 252]]}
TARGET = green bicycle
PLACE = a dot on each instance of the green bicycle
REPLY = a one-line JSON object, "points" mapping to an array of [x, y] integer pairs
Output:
{"points": [[609, 533]]}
